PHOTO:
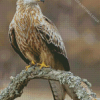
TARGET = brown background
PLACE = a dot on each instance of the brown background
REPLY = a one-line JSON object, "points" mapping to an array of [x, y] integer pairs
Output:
{"points": [[80, 32]]}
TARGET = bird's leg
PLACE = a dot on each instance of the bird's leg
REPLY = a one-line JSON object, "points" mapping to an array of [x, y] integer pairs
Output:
{"points": [[43, 65], [32, 63]]}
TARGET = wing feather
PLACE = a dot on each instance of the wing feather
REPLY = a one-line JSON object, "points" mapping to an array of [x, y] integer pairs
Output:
{"points": [[13, 42], [52, 38], [50, 34]]}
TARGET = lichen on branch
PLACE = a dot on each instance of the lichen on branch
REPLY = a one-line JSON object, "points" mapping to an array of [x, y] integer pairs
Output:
{"points": [[77, 88]]}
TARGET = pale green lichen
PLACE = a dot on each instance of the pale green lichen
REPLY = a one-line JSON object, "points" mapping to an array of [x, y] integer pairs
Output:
{"points": [[20, 81]]}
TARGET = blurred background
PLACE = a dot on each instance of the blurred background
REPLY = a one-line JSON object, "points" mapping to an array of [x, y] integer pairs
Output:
{"points": [[78, 21]]}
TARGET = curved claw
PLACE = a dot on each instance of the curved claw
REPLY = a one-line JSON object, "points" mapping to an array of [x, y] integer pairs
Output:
{"points": [[43, 65], [32, 63], [27, 67]]}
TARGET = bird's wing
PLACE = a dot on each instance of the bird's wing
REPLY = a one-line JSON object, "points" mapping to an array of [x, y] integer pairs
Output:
{"points": [[13, 42], [50, 34], [52, 38]]}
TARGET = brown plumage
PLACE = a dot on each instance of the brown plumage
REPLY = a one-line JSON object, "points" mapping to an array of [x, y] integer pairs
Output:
{"points": [[35, 38]]}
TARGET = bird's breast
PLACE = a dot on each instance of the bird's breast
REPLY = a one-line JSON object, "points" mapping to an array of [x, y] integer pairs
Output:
{"points": [[26, 20], [27, 37]]}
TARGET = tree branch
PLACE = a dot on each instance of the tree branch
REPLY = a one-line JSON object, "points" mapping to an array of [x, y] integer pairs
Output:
{"points": [[77, 88]]}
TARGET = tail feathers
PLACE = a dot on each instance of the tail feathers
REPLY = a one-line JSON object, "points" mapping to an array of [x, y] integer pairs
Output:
{"points": [[57, 90]]}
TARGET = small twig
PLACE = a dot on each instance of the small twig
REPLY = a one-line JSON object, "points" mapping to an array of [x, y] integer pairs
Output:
{"points": [[77, 88]]}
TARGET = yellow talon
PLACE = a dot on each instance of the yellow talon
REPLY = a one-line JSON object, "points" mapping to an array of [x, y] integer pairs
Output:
{"points": [[32, 63], [27, 67], [43, 65]]}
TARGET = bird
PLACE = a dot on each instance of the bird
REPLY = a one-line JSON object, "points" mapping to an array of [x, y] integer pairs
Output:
{"points": [[37, 40]]}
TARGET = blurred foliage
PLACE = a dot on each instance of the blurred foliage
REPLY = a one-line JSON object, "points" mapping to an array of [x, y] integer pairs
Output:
{"points": [[80, 32]]}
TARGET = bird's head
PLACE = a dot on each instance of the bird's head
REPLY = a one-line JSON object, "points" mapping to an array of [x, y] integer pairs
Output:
{"points": [[32, 1]]}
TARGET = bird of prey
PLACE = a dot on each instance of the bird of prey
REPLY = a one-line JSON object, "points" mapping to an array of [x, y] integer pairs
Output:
{"points": [[36, 39]]}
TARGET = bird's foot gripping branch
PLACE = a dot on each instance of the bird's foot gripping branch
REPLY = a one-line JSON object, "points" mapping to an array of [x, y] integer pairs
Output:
{"points": [[77, 88]]}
